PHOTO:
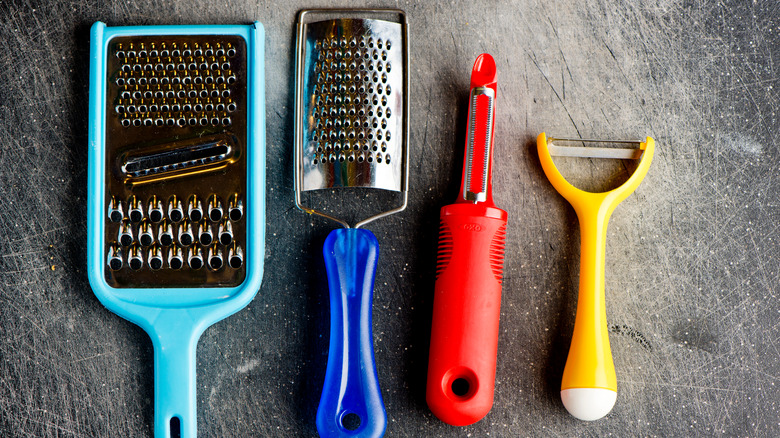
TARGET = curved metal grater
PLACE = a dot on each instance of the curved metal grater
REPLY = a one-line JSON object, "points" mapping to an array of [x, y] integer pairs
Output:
{"points": [[351, 130], [175, 160]]}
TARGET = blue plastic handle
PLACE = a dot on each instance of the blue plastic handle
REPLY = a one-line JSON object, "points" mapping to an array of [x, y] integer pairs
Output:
{"points": [[351, 402], [175, 340]]}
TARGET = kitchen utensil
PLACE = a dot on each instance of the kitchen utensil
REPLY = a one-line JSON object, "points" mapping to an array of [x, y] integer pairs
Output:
{"points": [[351, 130], [589, 386], [467, 296], [176, 196]]}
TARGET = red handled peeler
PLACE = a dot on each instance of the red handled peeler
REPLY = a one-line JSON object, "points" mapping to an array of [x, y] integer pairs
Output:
{"points": [[467, 300]]}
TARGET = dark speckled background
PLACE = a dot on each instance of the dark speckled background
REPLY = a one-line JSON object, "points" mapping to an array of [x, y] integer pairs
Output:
{"points": [[692, 256]]}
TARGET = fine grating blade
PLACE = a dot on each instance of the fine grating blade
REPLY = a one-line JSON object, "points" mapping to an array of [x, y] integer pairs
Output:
{"points": [[351, 127], [353, 135]]}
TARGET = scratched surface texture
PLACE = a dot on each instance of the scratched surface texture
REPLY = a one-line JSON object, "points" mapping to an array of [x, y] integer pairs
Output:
{"points": [[692, 257]]}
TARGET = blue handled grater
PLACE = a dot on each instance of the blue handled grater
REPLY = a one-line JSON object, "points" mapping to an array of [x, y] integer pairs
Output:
{"points": [[176, 196]]}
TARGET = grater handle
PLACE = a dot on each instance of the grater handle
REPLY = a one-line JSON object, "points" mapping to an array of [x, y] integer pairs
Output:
{"points": [[175, 412], [351, 402], [466, 310]]}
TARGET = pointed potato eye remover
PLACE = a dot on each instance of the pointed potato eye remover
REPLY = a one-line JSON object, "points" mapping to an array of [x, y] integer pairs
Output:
{"points": [[589, 386], [467, 293]]}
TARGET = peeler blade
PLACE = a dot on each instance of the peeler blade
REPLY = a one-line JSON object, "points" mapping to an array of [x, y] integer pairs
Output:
{"points": [[478, 151]]}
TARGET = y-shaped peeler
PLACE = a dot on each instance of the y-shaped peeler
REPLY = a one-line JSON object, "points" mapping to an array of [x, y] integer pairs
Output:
{"points": [[589, 386]]}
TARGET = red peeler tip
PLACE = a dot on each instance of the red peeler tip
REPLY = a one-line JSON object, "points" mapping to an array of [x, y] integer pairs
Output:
{"points": [[484, 71]]}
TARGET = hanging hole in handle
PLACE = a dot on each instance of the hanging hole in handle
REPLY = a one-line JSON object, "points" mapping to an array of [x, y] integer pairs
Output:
{"points": [[350, 421], [460, 387], [175, 427], [460, 384]]}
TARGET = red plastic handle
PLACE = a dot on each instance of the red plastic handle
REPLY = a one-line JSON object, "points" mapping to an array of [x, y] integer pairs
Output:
{"points": [[466, 309]]}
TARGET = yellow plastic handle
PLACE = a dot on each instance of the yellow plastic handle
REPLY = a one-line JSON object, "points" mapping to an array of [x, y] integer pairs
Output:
{"points": [[589, 364]]}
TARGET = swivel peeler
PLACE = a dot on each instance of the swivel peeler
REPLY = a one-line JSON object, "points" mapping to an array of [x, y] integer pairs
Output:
{"points": [[467, 296]]}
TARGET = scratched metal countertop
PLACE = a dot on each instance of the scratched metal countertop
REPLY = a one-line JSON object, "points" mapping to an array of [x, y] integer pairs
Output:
{"points": [[692, 257]]}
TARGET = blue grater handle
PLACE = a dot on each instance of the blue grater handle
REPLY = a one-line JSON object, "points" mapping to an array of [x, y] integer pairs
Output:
{"points": [[175, 411], [351, 402]]}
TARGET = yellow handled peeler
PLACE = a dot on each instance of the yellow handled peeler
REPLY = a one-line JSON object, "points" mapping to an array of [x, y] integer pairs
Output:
{"points": [[589, 385]]}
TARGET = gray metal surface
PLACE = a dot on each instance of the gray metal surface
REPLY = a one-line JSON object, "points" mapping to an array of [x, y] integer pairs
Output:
{"points": [[692, 257]]}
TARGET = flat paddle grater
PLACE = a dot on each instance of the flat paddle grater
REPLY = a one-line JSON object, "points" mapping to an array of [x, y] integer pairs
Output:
{"points": [[351, 131], [176, 196]]}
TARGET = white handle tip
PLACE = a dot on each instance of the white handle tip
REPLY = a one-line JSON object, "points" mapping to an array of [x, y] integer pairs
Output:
{"points": [[588, 404]]}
